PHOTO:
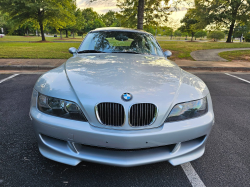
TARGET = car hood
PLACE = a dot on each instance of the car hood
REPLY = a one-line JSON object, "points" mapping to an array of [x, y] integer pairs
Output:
{"points": [[105, 77]]}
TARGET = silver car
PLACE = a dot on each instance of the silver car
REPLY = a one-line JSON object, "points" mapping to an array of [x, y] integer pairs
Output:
{"points": [[120, 101]]}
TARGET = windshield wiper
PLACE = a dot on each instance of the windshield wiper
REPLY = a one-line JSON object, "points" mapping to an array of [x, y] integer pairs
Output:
{"points": [[133, 52], [90, 51]]}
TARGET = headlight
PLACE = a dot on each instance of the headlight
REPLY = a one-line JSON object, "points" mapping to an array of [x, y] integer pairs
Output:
{"points": [[60, 108], [188, 110]]}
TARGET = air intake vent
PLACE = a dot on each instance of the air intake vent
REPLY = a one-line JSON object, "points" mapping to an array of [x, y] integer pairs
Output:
{"points": [[110, 114], [142, 114]]}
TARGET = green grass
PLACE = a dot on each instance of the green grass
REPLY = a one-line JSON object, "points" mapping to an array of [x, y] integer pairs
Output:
{"points": [[37, 39], [236, 55], [182, 50], [36, 50]]}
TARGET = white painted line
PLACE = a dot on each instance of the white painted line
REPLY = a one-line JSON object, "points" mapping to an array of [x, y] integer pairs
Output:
{"points": [[237, 78], [192, 176], [10, 77]]}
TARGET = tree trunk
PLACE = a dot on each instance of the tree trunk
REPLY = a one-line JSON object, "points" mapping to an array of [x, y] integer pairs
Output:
{"points": [[230, 34], [73, 34], [67, 33], [61, 33], [140, 15], [42, 31], [192, 36]]}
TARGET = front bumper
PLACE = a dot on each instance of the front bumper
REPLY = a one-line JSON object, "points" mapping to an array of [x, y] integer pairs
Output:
{"points": [[71, 142]]}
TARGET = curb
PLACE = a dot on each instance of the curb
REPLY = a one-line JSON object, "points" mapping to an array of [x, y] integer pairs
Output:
{"points": [[47, 67], [215, 68], [26, 67]]}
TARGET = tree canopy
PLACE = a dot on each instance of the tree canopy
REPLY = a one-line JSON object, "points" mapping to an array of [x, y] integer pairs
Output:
{"points": [[224, 13], [93, 20], [43, 12], [155, 12], [190, 23], [216, 35]]}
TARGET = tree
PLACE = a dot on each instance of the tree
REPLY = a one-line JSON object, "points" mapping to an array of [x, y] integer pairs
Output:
{"points": [[223, 12], [109, 18], [185, 34], [79, 22], [200, 34], [216, 35], [241, 29], [247, 37], [93, 20], [150, 29], [177, 33], [190, 23], [51, 12], [168, 31], [142, 12]]}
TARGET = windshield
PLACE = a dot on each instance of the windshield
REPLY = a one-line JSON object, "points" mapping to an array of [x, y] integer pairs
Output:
{"points": [[120, 42]]}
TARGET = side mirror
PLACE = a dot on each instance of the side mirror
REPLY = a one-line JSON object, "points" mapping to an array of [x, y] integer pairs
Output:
{"points": [[167, 53], [72, 50]]}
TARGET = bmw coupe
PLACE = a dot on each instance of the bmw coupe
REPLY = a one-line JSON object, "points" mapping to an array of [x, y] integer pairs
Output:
{"points": [[119, 101]]}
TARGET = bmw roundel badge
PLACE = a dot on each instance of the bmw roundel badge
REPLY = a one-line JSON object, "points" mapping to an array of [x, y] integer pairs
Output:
{"points": [[127, 96]]}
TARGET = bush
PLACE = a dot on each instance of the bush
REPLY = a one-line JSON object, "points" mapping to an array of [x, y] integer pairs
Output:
{"points": [[216, 35], [247, 37], [200, 34]]}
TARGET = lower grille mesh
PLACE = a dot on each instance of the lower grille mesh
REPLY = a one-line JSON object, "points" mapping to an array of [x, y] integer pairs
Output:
{"points": [[142, 114], [111, 114]]}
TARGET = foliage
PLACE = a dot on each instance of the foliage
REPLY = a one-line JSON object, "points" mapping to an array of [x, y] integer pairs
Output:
{"points": [[150, 29], [247, 37], [241, 29], [223, 13], [184, 34], [109, 18], [79, 22], [216, 35], [93, 20], [168, 31], [42, 12], [190, 23], [200, 34], [155, 12], [177, 33]]}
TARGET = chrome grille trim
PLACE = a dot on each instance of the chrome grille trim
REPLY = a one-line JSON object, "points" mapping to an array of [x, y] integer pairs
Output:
{"points": [[142, 114], [110, 114]]}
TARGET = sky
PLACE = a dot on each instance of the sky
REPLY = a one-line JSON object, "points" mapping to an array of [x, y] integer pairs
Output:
{"points": [[104, 7]]}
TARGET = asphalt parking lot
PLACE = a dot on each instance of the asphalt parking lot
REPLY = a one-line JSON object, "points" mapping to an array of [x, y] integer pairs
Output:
{"points": [[226, 161]]}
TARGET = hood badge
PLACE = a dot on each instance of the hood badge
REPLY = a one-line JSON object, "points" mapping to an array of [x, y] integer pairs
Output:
{"points": [[127, 96]]}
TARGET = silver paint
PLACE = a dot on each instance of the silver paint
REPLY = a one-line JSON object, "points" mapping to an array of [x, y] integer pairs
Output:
{"points": [[88, 79]]}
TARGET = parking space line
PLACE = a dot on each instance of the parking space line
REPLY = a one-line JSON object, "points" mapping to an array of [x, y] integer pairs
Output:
{"points": [[192, 176], [237, 77], [10, 77]]}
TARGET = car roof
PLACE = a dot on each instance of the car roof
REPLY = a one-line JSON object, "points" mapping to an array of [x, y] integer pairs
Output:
{"points": [[119, 29]]}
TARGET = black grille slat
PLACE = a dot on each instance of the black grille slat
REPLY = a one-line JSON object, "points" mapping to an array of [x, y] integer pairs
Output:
{"points": [[142, 114], [111, 114]]}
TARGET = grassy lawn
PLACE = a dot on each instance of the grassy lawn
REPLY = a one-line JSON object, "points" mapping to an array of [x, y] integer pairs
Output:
{"points": [[36, 50], [37, 39], [236, 55], [182, 50]]}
